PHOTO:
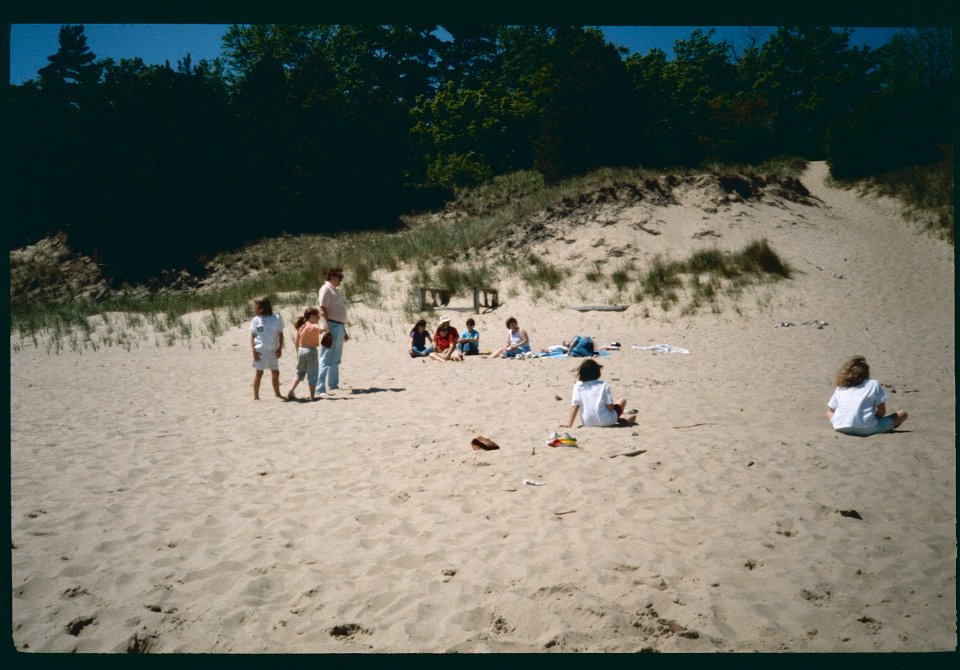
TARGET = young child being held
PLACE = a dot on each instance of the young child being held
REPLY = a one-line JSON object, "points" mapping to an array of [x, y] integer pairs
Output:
{"points": [[308, 347], [593, 399], [859, 404], [266, 342]]}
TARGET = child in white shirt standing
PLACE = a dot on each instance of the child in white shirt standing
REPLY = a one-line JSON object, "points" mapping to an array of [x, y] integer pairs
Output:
{"points": [[266, 343], [593, 399]]}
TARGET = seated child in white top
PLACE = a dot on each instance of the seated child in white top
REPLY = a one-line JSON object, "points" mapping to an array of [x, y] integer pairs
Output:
{"points": [[593, 399], [859, 404]]}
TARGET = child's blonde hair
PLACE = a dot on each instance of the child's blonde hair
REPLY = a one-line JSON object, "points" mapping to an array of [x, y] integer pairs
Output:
{"points": [[853, 373]]}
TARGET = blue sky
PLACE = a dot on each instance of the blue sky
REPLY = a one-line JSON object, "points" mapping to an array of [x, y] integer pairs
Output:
{"points": [[30, 44]]}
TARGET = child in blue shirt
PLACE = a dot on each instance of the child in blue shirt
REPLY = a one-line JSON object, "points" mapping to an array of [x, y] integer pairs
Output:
{"points": [[469, 342]]}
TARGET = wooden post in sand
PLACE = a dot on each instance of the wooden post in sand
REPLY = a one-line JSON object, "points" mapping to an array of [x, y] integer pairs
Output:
{"points": [[490, 298]]}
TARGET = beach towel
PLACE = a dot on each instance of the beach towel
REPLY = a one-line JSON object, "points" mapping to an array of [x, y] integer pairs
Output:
{"points": [[560, 354]]}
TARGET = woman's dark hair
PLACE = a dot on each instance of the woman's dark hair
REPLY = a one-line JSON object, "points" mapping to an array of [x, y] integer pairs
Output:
{"points": [[334, 272], [471, 322], [511, 320], [421, 322], [589, 370]]}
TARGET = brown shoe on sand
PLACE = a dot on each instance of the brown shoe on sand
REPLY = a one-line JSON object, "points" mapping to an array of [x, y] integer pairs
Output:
{"points": [[480, 443]]}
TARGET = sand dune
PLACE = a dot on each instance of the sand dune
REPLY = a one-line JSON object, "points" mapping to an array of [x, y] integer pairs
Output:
{"points": [[157, 508]]}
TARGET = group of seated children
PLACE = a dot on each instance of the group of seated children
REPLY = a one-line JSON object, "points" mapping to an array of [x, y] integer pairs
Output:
{"points": [[446, 344]]}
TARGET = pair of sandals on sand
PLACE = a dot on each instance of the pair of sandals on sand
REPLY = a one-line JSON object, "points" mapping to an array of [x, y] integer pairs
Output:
{"points": [[481, 443]]}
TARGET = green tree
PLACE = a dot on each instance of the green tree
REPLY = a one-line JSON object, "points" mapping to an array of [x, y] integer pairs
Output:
{"points": [[73, 63], [265, 140], [287, 44], [809, 76], [50, 148], [655, 106], [581, 88], [909, 116], [918, 58], [469, 134], [684, 105], [385, 65], [703, 81], [159, 187], [469, 58]]}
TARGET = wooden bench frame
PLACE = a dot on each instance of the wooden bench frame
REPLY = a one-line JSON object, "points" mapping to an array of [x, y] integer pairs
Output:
{"points": [[485, 297]]}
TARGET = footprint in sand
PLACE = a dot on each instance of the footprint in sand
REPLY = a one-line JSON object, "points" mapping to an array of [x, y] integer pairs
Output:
{"points": [[141, 643], [81, 622], [348, 630], [651, 624], [498, 624]]}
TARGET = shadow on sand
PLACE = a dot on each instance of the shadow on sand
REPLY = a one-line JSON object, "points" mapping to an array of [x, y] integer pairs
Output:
{"points": [[374, 389]]}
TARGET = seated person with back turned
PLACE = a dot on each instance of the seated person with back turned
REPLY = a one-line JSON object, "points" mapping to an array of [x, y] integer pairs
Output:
{"points": [[593, 400], [858, 405]]}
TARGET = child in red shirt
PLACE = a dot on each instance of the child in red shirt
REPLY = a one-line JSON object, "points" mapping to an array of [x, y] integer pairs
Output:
{"points": [[445, 342]]}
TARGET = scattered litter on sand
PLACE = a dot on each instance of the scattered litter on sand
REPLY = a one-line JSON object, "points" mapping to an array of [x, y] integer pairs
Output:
{"points": [[662, 349], [817, 323], [558, 440]]}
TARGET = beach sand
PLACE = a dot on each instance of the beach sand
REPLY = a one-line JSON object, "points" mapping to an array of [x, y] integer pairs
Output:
{"points": [[155, 507]]}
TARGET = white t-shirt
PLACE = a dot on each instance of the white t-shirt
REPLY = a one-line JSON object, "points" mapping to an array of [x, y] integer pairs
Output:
{"points": [[266, 332], [856, 406], [593, 397]]}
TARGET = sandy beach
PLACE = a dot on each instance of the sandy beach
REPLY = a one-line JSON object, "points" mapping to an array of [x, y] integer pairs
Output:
{"points": [[155, 507]]}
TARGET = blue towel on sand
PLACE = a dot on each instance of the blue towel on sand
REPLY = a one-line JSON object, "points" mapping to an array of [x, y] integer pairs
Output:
{"points": [[558, 354]]}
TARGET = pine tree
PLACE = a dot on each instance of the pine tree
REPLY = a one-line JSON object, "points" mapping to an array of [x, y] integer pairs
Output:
{"points": [[73, 63]]}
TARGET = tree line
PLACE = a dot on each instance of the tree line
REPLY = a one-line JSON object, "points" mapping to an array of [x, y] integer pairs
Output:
{"points": [[323, 128]]}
